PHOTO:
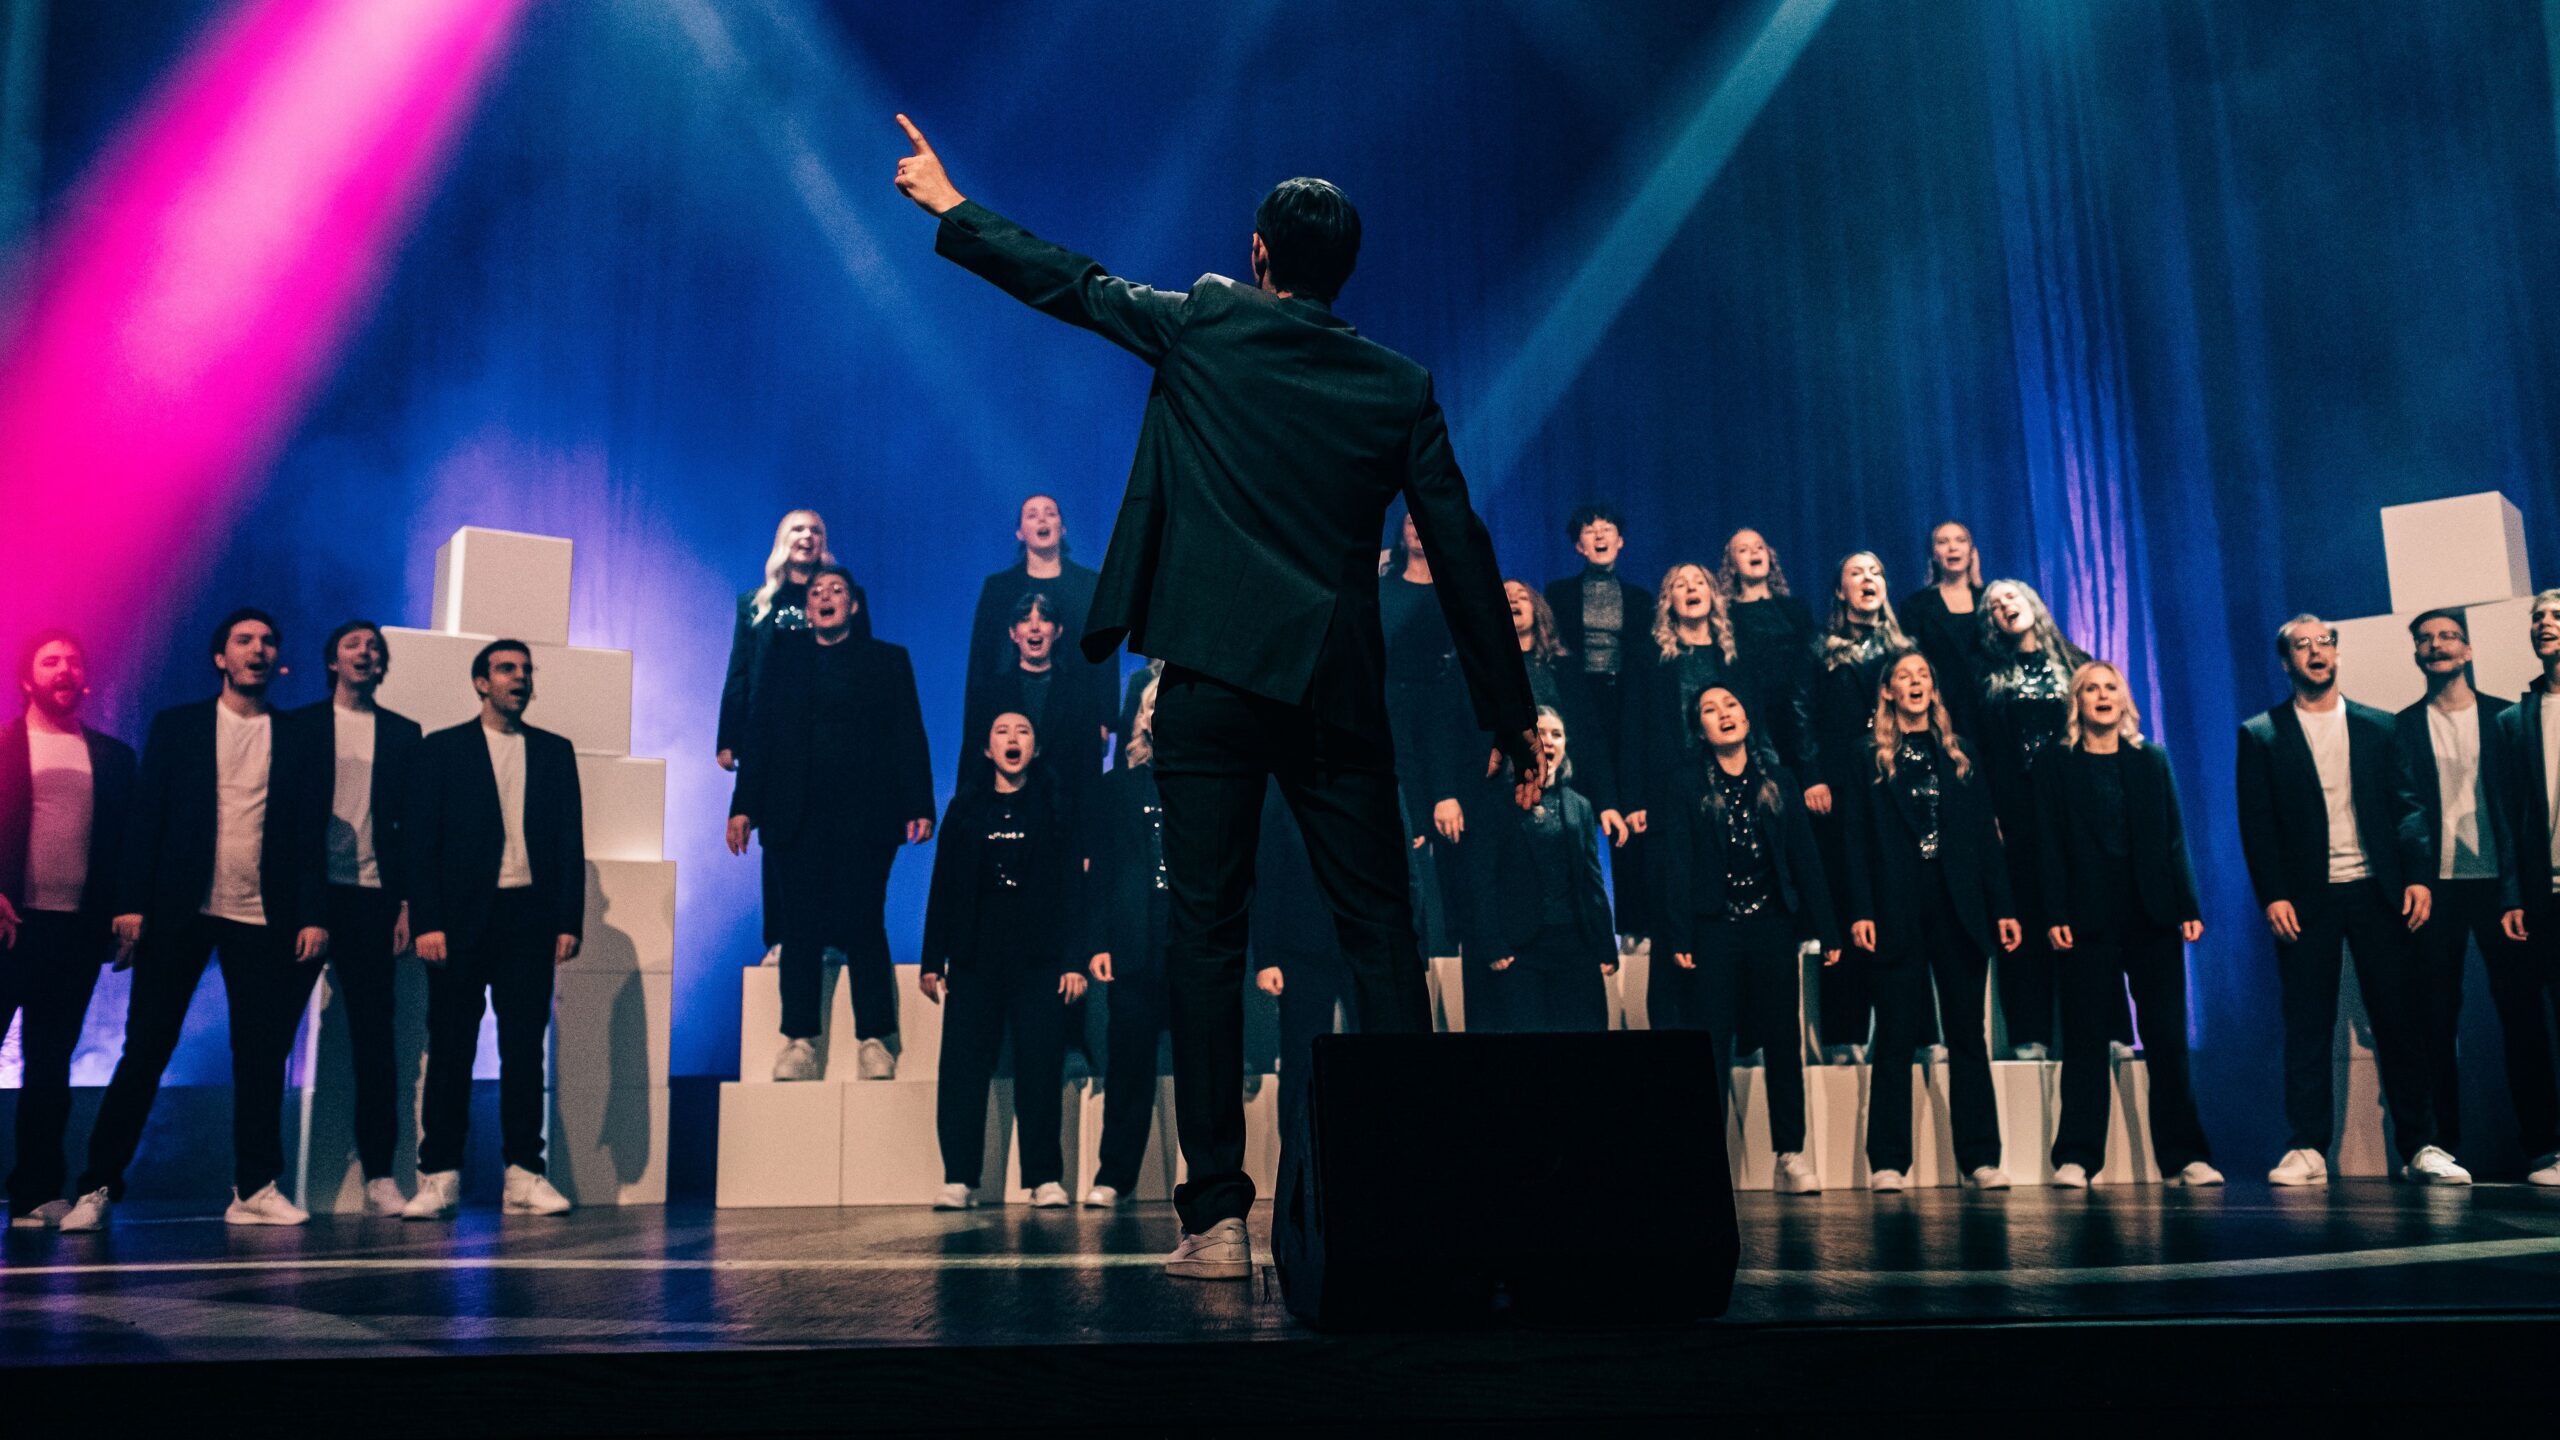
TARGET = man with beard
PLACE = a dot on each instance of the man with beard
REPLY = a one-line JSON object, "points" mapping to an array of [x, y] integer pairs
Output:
{"points": [[2330, 829], [64, 793]]}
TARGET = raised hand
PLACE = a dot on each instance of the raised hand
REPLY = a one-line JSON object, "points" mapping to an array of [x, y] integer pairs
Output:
{"points": [[920, 175]]}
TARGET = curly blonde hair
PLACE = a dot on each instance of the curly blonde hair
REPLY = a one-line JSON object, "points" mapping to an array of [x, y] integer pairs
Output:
{"points": [[1666, 631]]}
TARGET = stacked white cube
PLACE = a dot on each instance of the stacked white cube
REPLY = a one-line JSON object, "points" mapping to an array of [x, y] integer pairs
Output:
{"points": [[610, 1046]]}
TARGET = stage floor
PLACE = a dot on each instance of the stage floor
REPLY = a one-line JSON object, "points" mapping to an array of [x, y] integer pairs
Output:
{"points": [[614, 1303]]}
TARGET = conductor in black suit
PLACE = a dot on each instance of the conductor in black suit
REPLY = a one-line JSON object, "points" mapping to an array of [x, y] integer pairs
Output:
{"points": [[1245, 558], [498, 897]]}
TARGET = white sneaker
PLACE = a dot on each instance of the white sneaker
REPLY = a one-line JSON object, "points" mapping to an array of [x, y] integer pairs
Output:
{"points": [[2432, 1166], [798, 1061], [2546, 1170], [383, 1200], [2032, 1052], [952, 1197], [1222, 1252], [89, 1212], [1885, 1180], [875, 1062], [532, 1193], [47, 1216], [1052, 1196], [439, 1195], [1987, 1177], [1101, 1197], [1795, 1175], [2197, 1174], [2072, 1176], [2120, 1050], [2300, 1167], [266, 1207]]}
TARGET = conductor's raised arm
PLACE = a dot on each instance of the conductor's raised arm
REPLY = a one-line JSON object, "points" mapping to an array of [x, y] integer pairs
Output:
{"points": [[1049, 278]]}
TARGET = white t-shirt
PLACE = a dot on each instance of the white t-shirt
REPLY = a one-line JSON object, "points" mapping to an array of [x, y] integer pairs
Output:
{"points": [[351, 857], [58, 826], [2465, 848], [243, 751], [2326, 732], [506, 758], [2551, 777]]}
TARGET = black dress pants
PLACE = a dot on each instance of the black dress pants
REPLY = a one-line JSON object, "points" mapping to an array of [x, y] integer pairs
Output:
{"points": [[508, 967], [1937, 963], [2466, 911], [1216, 749], [1553, 986], [360, 955], [1136, 1004], [2028, 975], [2524, 984], [980, 1006], [2095, 973], [1848, 988], [47, 978], [1747, 975], [2367, 923], [823, 892], [264, 988]]}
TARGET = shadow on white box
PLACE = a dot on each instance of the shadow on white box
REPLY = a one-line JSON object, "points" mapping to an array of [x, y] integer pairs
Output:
{"points": [[581, 693]]}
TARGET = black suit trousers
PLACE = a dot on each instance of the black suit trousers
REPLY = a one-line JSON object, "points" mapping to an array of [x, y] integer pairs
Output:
{"points": [[1938, 964], [1217, 748], [2465, 912], [506, 967], [980, 1007], [47, 977], [2367, 923], [824, 890], [1747, 980], [367, 972], [1135, 1005], [264, 988], [2103, 961]]}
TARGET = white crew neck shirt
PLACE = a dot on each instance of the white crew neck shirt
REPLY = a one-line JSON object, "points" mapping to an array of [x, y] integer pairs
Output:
{"points": [[351, 856], [65, 805], [2326, 732], [243, 754], [2466, 849], [506, 760]]}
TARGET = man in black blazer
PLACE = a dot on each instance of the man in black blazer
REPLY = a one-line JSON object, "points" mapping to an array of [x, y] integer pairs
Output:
{"points": [[2529, 750], [1245, 557], [362, 757], [222, 855], [2449, 741], [2331, 832], [497, 860], [65, 790]]}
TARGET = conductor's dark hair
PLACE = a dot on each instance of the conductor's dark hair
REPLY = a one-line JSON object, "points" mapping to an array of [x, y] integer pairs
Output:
{"points": [[240, 617], [50, 635], [480, 662], [329, 650], [1312, 234], [1586, 515], [1029, 603], [2460, 621]]}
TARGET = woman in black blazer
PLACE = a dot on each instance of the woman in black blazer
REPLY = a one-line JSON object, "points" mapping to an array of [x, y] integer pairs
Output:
{"points": [[2022, 704], [2121, 900], [1930, 897], [1848, 662], [778, 606], [1540, 943], [1742, 889]]}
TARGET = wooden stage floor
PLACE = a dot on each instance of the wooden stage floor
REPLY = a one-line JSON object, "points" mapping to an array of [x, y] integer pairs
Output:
{"points": [[2360, 1299]]}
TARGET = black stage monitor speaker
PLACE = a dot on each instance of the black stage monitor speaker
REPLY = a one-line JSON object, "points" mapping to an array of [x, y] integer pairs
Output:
{"points": [[1457, 1180]]}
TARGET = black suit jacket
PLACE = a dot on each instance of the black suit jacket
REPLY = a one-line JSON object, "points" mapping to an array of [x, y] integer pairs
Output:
{"points": [[111, 775], [2284, 819], [1123, 907], [953, 914], [168, 850], [2527, 808], [1506, 897], [1275, 438], [2418, 754], [2072, 860], [1887, 876], [781, 792], [395, 758], [1564, 597], [458, 835], [1693, 862]]}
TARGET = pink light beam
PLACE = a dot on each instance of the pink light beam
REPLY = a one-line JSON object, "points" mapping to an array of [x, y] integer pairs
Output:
{"points": [[188, 302]]}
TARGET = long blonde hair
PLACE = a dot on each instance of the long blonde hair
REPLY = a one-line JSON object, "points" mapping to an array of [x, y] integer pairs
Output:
{"points": [[2128, 729], [2054, 652], [1141, 746], [1544, 643], [1730, 577], [1842, 638], [1888, 725], [1666, 631], [778, 563]]}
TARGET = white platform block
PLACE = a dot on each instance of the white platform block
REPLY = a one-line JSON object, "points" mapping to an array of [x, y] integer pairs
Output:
{"points": [[502, 582], [631, 918], [891, 1155], [781, 1145], [625, 799], [1160, 1171], [2458, 551], [581, 693], [1627, 999], [1448, 993], [609, 1147], [1749, 1155], [760, 1026], [610, 1028]]}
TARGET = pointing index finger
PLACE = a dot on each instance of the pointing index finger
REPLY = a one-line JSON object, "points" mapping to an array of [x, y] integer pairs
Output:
{"points": [[915, 136]]}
